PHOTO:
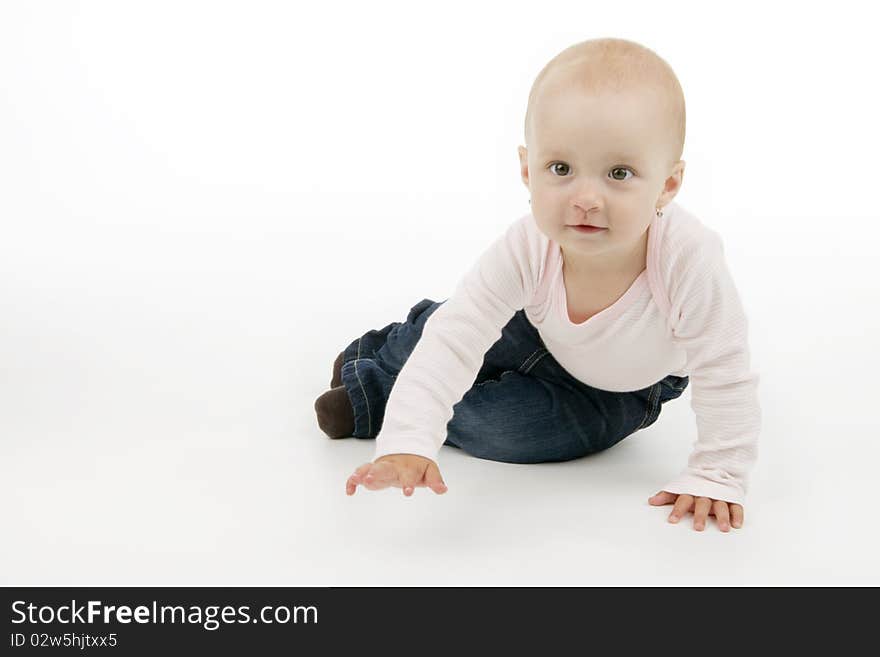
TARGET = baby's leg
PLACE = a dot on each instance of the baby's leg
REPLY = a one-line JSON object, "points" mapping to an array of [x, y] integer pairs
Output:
{"points": [[364, 373], [523, 407], [371, 363], [523, 419], [545, 414]]}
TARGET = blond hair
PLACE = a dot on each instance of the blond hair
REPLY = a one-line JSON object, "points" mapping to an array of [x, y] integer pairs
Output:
{"points": [[614, 65]]}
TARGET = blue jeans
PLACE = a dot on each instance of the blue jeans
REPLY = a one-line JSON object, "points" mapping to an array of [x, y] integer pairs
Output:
{"points": [[523, 406]]}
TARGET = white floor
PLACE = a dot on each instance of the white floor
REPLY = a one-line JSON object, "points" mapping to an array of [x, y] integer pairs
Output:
{"points": [[156, 431], [264, 505]]}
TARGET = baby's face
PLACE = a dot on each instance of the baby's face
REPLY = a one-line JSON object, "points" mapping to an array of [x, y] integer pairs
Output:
{"points": [[602, 160]]}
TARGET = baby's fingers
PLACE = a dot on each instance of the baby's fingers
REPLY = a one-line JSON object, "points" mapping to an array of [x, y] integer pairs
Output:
{"points": [[408, 480], [356, 478], [736, 515], [722, 515], [662, 498], [682, 506], [433, 479], [701, 511]]}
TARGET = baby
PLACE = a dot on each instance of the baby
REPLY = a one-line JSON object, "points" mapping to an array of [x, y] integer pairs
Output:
{"points": [[576, 325]]}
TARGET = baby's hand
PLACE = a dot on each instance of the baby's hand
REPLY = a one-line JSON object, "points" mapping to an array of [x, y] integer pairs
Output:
{"points": [[404, 471], [703, 506]]}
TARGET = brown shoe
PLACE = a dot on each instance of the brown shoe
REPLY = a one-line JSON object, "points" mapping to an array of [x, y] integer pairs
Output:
{"points": [[335, 414]]}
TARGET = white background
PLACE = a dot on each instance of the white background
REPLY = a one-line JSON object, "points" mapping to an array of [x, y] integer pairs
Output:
{"points": [[201, 204]]}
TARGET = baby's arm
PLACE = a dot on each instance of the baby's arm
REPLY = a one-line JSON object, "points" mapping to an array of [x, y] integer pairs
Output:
{"points": [[447, 358], [711, 325]]}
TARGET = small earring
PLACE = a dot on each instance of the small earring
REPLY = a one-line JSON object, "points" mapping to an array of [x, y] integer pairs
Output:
{"points": [[659, 212], [530, 201]]}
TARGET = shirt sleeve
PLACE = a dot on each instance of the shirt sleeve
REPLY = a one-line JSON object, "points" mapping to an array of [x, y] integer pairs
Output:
{"points": [[449, 354], [713, 329]]}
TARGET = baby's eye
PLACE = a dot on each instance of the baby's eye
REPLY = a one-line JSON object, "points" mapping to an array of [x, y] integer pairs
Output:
{"points": [[620, 169], [560, 164]]}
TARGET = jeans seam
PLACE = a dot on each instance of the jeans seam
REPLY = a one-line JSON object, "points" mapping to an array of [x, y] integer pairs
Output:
{"points": [[363, 391], [653, 398], [525, 370]]}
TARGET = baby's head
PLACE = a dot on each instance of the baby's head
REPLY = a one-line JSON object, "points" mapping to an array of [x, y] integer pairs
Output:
{"points": [[604, 132]]}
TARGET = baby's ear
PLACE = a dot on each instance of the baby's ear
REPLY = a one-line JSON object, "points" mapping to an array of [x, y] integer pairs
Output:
{"points": [[523, 164]]}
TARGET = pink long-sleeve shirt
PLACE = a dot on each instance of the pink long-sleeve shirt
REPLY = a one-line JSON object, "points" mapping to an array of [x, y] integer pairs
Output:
{"points": [[682, 315]]}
